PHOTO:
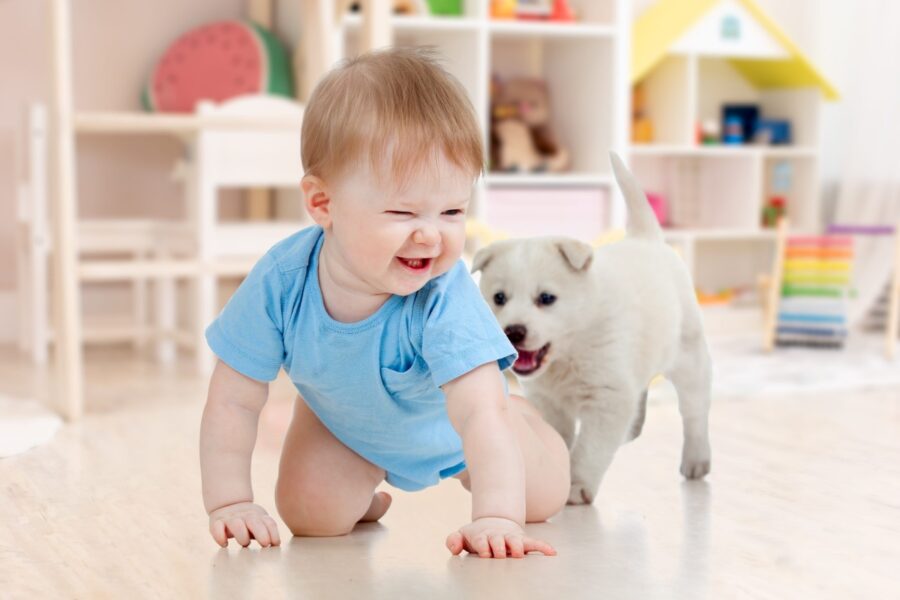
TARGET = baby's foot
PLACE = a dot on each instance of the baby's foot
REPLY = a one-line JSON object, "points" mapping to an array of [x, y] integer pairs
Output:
{"points": [[381, 501]]}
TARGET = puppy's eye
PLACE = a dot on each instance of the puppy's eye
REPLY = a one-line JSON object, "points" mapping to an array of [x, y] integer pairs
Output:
{"points": [[546, 299], [499, 298]]}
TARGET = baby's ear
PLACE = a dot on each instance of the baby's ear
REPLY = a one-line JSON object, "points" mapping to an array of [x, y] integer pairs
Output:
{"points": [[317, 200]]}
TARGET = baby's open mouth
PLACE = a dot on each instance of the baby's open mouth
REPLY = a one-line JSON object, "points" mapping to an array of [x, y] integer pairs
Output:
{"points": [[530, 361], [416, 264]]}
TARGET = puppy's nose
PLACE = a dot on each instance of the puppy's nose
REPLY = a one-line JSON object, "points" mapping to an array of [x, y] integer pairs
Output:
{"points": [[516, 333]]}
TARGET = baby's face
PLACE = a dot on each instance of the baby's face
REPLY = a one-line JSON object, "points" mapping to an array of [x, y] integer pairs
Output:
{"points": [[395, 240]]}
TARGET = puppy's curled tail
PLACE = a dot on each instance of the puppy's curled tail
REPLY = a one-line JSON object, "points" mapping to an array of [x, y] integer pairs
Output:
{"points": [[642, 221]]}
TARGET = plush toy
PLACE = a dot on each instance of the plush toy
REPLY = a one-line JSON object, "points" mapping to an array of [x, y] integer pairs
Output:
{"points": [[216, 62], [503, 9], [521, 137], [400, 7]]}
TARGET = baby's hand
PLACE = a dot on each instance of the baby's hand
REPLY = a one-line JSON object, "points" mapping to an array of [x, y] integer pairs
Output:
{"points": [[244, 521], [497, 537]]}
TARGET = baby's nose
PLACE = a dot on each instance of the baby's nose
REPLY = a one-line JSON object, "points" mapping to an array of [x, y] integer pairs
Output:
{"points": [[427, 235]]}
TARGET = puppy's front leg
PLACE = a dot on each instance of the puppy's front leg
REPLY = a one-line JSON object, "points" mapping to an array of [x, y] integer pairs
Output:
{"points": [[603, 428], [560, 417]]}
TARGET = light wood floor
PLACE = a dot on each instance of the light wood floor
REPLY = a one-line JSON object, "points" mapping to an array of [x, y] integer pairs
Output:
{"points": [[803, 502]]}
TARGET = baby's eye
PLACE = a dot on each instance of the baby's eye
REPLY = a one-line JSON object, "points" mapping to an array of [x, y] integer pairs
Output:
{"points": [[453, 212], [405, 213]]}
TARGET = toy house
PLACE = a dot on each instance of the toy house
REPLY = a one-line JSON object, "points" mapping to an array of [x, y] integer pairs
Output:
{"points": [[726, 131]]}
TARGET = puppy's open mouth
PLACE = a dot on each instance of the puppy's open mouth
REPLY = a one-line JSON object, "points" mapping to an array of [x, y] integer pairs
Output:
{"points": [[530, 361]]}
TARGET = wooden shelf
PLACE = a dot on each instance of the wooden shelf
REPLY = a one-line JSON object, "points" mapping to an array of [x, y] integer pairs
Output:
{"points": [[119, 270], [558, 30], [353, 22], [723, 150], [547, 180], [718, 234], [97, 122]]}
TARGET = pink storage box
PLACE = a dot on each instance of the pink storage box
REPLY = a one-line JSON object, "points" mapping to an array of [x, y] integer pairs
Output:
{"points": [[574, 212]]}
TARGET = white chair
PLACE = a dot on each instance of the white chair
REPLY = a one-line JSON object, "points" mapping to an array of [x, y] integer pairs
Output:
{"points": [[134, 238], [230, 158]]}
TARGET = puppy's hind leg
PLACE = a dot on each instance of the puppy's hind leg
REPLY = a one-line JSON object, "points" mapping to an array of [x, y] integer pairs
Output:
{"points": [[692, 378], [637, 425]]}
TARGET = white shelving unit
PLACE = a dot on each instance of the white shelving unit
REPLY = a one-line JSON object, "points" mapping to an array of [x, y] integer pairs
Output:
{"points": [[585, 65], [716, 193]]}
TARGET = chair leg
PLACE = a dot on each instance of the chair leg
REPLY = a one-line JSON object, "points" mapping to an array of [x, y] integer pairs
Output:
{"points": [[165, 317], [890, 341], [139, 309], [204, 312]]}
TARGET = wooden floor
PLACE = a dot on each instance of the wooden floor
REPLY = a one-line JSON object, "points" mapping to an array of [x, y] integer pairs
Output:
{"points": [[803, 502]]}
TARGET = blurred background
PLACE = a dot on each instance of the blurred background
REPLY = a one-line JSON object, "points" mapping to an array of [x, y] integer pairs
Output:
{"points": [[149, 153]]}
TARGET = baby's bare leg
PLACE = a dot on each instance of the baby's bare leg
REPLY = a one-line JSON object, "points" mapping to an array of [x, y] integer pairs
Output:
{"points": [[324, 488], [547, 477]]}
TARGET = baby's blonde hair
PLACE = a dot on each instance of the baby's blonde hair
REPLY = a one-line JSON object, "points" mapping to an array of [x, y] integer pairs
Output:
{"points": [[397, 103]]}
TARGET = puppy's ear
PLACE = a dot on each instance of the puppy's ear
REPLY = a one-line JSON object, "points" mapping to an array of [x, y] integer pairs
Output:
{"points": [[577, 253], [482, 258]]}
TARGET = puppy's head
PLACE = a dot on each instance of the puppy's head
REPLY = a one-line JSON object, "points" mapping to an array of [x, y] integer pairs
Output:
{"points": [[536, 288]]}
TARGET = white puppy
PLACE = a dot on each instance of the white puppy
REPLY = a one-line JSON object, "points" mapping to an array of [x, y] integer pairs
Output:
{"points": [[592, 328]]}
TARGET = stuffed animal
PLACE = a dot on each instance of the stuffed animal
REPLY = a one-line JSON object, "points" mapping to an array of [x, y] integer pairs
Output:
{"points": [[521, 137], [400, 7]]}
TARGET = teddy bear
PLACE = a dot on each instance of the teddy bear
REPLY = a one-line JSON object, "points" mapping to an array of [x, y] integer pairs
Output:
{"points": [[521, 137], [400, 7]]}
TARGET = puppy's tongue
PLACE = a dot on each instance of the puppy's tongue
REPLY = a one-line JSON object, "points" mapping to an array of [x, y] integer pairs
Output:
{"points": [[526, 361]]}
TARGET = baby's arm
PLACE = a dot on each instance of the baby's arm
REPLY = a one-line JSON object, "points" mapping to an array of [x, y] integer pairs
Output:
{"points": [[479, 411], [227, 437]]}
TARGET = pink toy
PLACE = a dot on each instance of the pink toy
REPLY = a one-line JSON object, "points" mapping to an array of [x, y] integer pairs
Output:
{"points": [[216, 62], [660, 207]]}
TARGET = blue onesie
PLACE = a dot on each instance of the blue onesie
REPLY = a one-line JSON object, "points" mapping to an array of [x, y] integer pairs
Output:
{"points": [[373, 383]]}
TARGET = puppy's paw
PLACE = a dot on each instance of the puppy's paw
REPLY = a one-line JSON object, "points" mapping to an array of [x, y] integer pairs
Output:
{"points": [[581, 493], [695, 470], [695, 461]]}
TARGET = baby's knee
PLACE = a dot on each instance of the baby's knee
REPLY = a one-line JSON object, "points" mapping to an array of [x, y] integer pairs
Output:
{"points": [[314, 514], [548, 500]]}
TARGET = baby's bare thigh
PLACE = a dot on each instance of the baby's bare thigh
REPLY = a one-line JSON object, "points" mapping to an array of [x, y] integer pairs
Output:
{"points": [[546, 457], [323, 487]]}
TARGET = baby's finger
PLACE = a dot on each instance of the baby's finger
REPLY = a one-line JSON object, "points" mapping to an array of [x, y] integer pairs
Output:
{"points": [[239, 531], [498, 546], [258, 530], [217, 529], [515, 545], [533, 545], [273, 530], [455, 543], [480, 545]]}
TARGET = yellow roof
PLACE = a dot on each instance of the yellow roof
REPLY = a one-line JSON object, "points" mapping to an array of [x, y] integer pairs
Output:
{"points": [[662, 24]]}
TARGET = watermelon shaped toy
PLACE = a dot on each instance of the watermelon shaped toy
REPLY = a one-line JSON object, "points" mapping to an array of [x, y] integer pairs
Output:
{"points": [[216, 62]]}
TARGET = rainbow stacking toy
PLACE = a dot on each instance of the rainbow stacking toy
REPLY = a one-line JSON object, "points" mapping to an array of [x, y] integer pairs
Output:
{"points": [[808, 302]]}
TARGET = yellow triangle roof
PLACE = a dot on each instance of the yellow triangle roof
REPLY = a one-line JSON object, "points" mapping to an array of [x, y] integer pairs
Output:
{"points": [[662, 24]]}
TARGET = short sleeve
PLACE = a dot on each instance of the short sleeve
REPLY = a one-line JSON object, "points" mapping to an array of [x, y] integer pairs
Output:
{"points": [[460, 332], [248, 333]]}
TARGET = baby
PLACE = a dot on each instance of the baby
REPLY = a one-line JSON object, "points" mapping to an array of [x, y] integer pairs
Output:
{"points": [[377, 322]]}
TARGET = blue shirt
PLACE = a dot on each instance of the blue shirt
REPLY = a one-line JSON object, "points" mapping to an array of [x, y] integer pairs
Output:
{"points": [[373, 383]]}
